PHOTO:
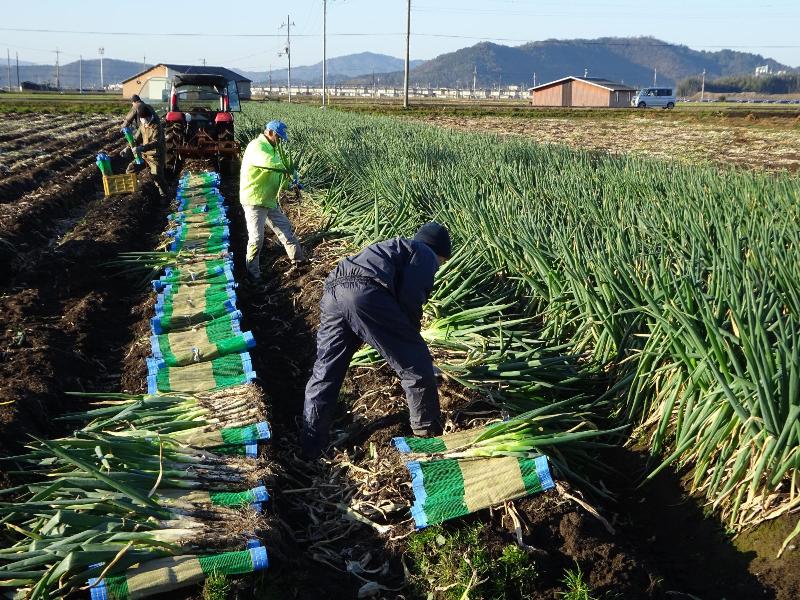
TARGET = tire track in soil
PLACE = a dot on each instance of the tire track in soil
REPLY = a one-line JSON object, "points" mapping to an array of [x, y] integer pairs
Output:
{"points": [[67, 319], [662, 536]]}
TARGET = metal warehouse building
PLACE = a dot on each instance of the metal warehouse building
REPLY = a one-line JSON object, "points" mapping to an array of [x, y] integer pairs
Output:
{"points": [[582, 91], [154, 83]]}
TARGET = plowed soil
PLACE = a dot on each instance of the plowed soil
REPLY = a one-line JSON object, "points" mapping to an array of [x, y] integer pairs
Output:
{"points": [[65, 315]]}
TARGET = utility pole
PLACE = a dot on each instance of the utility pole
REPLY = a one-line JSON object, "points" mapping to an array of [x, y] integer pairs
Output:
{"points": [[101, 52], [324, 51], [80, 74], [203, 60], [8, 57], [270, 79], [58, 74], [19, 88], [474, 78], [144, 63], [288, 53], [408, 44], [703, 87]]}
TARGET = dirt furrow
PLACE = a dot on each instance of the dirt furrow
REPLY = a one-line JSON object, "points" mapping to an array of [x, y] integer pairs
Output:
{"points": [[12, 129], [14, 187], [35, 139], [30, 155], [67, 318], [33, 224]]}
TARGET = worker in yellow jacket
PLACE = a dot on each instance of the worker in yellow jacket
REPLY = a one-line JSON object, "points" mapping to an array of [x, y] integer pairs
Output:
{"points": [[263, 177]]}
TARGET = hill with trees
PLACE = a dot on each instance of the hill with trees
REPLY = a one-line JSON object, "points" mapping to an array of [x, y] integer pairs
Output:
{"points": [[630, 60]]}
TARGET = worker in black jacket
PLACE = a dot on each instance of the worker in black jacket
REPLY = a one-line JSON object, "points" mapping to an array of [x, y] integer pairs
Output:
{"points": [[138, 106], [150, 137], [376, 297]]}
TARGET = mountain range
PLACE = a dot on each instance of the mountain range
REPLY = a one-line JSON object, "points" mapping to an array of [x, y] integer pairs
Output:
{"points": [[630, 60], [340, 69], [114, 71]]}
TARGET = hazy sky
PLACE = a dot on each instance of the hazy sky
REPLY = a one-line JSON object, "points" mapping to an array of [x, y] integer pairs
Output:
{"points": [[253, 36]]}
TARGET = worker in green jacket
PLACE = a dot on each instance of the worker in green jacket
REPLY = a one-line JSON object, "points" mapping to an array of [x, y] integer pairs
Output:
{"points": [[263, 177]]}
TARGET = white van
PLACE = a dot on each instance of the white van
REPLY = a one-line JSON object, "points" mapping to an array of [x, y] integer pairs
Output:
{"points": [[654, 97]]}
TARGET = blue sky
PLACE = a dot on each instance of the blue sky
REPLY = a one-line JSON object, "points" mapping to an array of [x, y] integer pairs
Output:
{"points": [[766, 27]]}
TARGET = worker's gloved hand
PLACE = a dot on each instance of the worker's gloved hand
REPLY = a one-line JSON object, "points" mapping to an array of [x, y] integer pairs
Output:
{"points": [[125, 152], [296, 185]]}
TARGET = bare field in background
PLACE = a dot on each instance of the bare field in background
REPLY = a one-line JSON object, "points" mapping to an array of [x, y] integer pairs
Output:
{"points": [[745, 143]]}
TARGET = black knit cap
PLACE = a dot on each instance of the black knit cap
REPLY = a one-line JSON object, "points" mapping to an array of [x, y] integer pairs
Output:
{"points": [[143, 111], [435, 236]]}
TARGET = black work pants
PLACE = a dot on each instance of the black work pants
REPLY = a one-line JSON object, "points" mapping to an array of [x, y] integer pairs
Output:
{"points": [[356, 310]]}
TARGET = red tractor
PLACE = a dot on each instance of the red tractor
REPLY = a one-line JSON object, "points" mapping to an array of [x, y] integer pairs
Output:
{"points": [[202, 126]]}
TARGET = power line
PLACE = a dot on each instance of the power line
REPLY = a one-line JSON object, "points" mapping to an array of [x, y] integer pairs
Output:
{"points": [[185, 34], [397, 34]]}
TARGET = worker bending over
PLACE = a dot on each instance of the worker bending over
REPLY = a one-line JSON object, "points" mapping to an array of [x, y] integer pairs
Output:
{"points": [[376, 297], [263, 177], [150, 139]]}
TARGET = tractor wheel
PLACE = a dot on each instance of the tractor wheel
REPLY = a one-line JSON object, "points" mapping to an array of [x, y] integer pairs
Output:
{"points": [[173, 139], [229, 165]]}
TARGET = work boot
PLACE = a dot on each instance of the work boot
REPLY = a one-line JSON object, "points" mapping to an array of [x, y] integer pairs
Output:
{"points": [[434, 430]]}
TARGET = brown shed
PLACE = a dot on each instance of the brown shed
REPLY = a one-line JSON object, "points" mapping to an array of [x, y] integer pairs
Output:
{"points": [[154, 83], [582, 91]]}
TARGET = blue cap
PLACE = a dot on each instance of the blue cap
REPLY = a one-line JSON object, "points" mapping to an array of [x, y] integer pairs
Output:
{"points": [[279, 127]]}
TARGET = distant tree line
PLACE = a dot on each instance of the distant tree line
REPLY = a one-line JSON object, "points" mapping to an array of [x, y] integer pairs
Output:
{"points": [[788, 83]]}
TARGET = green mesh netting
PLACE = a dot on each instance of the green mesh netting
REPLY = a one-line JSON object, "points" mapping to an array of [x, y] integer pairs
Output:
{"points": [[117, 587], [232, 498], [190, 239], [449, 488], [229, 370], [228, 563], [444, 489], [202, 279], [225, 371], [216, 331], [200, 351], [243, 435], [186, 301], [425, 445]]}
